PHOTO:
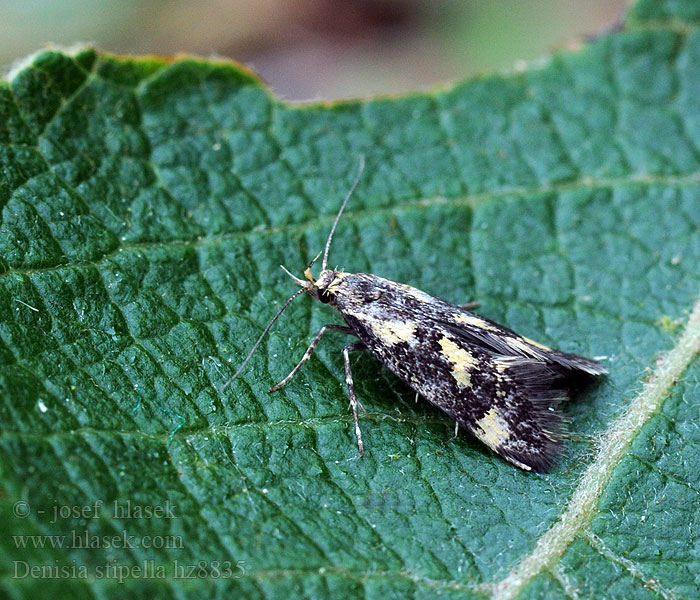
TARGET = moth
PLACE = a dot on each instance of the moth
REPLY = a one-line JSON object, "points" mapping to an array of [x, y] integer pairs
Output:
{"points": [[500, 386]]}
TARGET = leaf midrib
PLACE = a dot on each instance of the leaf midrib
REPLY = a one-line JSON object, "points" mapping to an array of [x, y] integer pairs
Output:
{"points": [[614, 445]]}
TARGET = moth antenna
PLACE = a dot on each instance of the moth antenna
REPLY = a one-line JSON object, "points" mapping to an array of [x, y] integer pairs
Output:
{"points": [[340, 212], [260, 339], [294, 277]]}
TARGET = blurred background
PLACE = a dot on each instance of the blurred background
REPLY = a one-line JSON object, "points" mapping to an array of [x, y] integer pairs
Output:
{"points": [[319, 49]]}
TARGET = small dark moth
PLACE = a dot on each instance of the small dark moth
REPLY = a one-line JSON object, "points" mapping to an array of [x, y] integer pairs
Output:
{"points": [[502, 387]]}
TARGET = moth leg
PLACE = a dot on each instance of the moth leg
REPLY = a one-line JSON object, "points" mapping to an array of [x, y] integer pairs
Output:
{"points": [[351, 391], [469, 305], [310, 350], [456, 428]]}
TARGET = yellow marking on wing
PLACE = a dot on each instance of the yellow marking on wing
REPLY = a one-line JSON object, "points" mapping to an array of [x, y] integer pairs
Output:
{"points": [[537, 344], [501, 365], [394, 332], [525, 346], [494, 430], [474, 321], [463, 361]]}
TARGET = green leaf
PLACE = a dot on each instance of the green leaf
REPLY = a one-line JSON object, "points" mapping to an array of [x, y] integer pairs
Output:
{"points": [[145, 208]]}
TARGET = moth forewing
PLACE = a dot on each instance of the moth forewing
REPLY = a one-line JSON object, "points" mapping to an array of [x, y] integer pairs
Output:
{"points": [[500, 386]]}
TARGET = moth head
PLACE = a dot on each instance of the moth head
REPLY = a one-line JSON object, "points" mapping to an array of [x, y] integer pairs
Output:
{"points": [[317, 288], [324, 284]]}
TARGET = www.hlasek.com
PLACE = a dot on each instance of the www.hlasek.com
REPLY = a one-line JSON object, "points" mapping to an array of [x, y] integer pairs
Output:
{"points": [[147, 569], [83, 539]]}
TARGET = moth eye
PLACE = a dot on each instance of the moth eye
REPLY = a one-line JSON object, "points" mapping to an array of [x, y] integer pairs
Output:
{"points": [[324, 296]]}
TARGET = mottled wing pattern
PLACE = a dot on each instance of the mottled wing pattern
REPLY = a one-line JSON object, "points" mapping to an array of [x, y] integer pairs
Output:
{"points": [[500, 386]]}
